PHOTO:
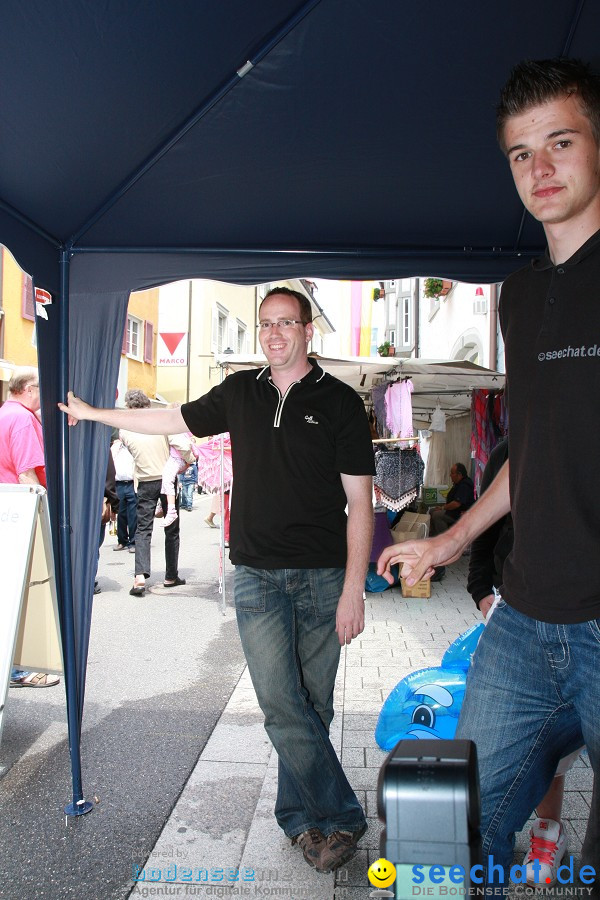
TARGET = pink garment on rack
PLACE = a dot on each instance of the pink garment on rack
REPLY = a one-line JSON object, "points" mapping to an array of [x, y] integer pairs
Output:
{"points": [[398, 405]]}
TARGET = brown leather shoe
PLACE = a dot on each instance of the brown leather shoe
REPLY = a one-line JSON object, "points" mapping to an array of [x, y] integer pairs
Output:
{"points": [[340, 847], [312, 843]]}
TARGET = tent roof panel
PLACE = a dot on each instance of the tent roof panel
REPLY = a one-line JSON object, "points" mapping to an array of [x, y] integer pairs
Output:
{"points": [[366, 137]]}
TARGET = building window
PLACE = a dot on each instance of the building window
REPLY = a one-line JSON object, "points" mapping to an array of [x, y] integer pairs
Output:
{"points": [[133, 337], [392, 312], [221, 332], [148, 342], [219, 338], [240, 346], [406, 323], [27, 307]]}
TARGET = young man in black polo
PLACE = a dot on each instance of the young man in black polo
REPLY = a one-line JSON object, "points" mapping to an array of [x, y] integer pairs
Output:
{"points": [[534, 687]]}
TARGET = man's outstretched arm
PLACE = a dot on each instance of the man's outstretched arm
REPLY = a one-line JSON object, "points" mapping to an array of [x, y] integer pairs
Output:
{"points": [[144, 421], [420, 558]]}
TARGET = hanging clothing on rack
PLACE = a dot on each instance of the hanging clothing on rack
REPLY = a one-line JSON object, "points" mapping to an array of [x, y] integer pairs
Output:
{"points": [[480, 443], [500, 414], [399, 408], [398, 477], [438, 419], [378, 399], [488, 425], [437, 459]]}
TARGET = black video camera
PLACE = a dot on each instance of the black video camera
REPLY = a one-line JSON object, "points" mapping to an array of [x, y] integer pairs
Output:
{"points": [[428, 800]]}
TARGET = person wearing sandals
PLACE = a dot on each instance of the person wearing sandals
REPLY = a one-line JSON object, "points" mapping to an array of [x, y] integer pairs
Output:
{"points": [[22, 462]]}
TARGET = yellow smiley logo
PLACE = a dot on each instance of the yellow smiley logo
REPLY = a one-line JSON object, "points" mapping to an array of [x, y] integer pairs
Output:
{"points": [[382, 873]]}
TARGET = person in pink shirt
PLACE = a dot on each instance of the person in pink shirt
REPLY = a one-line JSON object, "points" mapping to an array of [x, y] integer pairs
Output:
{"points": [[22, 462], [21, 439]]}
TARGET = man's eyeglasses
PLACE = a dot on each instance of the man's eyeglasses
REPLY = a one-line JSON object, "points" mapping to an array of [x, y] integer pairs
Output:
{"points": [[281, 323], [34, 385]]}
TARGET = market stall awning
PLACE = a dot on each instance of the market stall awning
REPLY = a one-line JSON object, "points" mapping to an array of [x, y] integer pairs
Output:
{"points": [[447, 383]]}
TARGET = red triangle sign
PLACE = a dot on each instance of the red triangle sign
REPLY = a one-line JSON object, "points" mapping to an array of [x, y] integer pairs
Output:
{"points": [[172, 339]]}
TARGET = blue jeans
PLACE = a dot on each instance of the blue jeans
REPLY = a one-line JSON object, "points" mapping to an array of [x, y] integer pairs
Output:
{"points": [[533, 695], [187, 493], [286, 619], [17, 674], [127, 515]]}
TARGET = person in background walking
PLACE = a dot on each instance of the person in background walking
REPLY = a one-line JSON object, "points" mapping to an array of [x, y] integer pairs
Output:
{"points": [[127, 515], [22, 462]]}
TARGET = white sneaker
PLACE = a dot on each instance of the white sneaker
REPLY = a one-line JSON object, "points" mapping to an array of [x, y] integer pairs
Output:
{"points": [[548, 844]]}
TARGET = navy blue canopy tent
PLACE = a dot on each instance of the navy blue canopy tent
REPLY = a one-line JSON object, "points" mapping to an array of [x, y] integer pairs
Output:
{"points": [[244, 142]]}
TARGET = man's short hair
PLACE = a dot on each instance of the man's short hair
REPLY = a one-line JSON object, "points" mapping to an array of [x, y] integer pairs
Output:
{"points": [[21, 377], [535, 82], [305, 307], [461, 470], [136, 399]]}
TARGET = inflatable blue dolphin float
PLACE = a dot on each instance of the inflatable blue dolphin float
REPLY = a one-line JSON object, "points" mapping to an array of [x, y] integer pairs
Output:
{"points": [[426, 703]]}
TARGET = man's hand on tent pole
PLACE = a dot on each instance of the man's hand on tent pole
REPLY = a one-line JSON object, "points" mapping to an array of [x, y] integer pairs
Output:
{"points": [[75, 408], [142, 420]]}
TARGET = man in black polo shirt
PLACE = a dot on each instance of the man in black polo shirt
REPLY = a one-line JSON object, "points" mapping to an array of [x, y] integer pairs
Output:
{"points": [[533, 690], [301, 452]]}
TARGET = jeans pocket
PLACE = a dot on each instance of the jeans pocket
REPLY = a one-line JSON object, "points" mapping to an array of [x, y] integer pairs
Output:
{"points": [[250, 590], [595, 628], [325, 590]]}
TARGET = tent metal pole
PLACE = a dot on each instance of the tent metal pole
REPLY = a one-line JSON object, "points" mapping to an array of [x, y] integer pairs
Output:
{"points": [[368, 254], [222, 532], [79, 806]]}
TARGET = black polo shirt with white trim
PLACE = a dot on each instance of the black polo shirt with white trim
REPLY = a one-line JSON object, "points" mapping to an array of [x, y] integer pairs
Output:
{"points": [[288, 507]]}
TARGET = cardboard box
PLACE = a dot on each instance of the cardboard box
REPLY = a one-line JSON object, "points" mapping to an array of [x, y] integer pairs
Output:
{"points": [[421, 590], [411, 527]]}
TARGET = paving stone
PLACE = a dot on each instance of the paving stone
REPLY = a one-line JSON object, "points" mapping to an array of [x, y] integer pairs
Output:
{"points": [[400, 636], [362, 778], [374, 755], [353, 756], [579, 779], [357, 738]]}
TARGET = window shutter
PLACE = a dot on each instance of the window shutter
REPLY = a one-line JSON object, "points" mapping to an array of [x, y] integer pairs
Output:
{"points": [[124, 345], [27, 307], [148, 342]]}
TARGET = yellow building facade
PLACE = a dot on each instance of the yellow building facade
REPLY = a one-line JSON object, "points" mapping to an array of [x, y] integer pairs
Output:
{"points": [[137, 367], [17, 331]]}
